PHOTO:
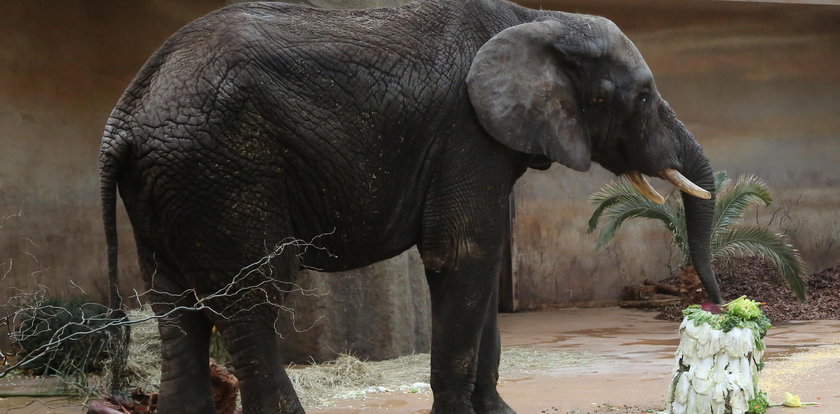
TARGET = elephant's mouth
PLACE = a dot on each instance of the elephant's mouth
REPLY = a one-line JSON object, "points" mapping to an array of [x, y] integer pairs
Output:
{"points": [[672, 176]]}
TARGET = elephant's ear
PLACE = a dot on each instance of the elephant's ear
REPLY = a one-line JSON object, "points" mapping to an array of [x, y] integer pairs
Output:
{"points": [[523, 98]]}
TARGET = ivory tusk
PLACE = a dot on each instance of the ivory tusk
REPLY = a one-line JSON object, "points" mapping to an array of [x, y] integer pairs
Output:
{"points": [[684, 184], [641, 183]]}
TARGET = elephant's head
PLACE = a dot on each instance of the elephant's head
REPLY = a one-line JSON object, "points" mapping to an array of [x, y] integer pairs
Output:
{"points": [[574, 89]]}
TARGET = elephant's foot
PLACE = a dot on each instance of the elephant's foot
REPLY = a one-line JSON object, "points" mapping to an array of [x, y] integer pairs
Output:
{"points": [[289, 404], [172, 402], [452, 403], [488, 401]]}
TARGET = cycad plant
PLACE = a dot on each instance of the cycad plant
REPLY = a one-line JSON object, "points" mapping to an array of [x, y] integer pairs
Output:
{"points": [[619, 201]]}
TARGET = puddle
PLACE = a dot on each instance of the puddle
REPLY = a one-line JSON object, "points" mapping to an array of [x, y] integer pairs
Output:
{"points": [[601, 333], [392, 403], [784, 351], [669, 342], [514, 380]]}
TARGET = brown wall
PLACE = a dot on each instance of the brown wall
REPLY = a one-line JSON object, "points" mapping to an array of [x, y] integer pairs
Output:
{"points": [[756, 82], [759, 86], [63, 64]]}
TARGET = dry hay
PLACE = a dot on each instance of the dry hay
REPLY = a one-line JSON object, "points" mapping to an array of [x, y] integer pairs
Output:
{"points": [[524, 360], [144, 350], [319, 385], [144, 354]]}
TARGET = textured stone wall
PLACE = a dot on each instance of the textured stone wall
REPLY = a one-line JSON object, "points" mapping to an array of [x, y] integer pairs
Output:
{"points": [[377, 312], [62, 67]]}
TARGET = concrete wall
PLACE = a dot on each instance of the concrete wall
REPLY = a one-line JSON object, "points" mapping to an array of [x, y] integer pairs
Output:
{"points": [[758, 85], [62, 67], [377, 312], [756, 82], [63, 64]]}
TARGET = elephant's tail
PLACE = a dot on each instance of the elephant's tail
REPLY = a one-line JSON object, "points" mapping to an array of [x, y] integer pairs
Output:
{"points": [[112, 156], [110, 159]]}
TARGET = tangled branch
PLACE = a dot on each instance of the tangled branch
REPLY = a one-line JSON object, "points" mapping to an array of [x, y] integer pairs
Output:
{"points": [[95, 326]]}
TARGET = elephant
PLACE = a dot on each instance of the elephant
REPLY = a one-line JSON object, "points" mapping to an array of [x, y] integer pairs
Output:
{"points": [[347, 137]]}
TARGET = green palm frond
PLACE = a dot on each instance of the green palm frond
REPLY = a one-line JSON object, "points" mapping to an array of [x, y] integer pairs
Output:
{"points": [[610, 194], [760, 241], [721, 180], [733, 200], [619, 201]]}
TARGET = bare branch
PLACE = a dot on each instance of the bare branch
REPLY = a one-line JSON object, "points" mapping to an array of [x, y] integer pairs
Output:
{"points": [[254, 286]]}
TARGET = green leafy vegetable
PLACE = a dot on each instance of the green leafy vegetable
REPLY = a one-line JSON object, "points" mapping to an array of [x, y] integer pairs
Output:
{"points": [[759, 404], [740, 313]]}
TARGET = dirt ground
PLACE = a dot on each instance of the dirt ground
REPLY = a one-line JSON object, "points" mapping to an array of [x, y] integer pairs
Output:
{"points": [[759, 280], [630, 374]]}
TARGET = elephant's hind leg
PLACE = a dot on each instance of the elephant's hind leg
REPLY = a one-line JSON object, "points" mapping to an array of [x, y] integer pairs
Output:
{"points": [[266, 388], [185, 340], [244, 266], [185, 379], [245, 315]]}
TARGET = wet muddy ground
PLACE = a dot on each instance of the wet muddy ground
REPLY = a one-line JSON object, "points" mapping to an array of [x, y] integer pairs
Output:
{"points": [[634, 368], [629, 375]]}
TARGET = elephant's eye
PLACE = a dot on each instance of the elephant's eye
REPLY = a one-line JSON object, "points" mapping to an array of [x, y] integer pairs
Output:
{"points": [[643, 97]]}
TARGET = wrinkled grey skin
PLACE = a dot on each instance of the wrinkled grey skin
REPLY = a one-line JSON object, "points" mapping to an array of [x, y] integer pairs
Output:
{"points": [[381, 129]]}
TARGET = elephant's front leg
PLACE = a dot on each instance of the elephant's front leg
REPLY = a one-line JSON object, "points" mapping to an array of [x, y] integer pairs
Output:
{"points": [[463, 240], [465, 357], [485, 397]]}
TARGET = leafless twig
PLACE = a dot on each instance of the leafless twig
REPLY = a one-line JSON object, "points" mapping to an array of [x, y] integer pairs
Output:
{"points": [[255, 285]]}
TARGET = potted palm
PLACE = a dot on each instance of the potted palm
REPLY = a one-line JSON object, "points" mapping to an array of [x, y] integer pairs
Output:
{"points": [[619, 201]]}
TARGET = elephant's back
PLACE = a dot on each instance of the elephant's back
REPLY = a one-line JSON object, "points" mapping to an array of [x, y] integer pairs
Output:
{"points": [[351, 51], [385, 29], [264, 30], [291, 57]]}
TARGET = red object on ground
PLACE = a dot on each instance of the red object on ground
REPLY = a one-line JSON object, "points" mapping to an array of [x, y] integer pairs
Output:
{"points": [[225, 389]]}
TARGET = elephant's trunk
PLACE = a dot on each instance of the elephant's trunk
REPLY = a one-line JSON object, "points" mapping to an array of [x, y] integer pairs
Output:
{"points": [[699, 214]]}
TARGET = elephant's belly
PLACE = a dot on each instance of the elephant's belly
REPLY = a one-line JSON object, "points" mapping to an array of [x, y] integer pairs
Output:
{"points": [[341, 239]]}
